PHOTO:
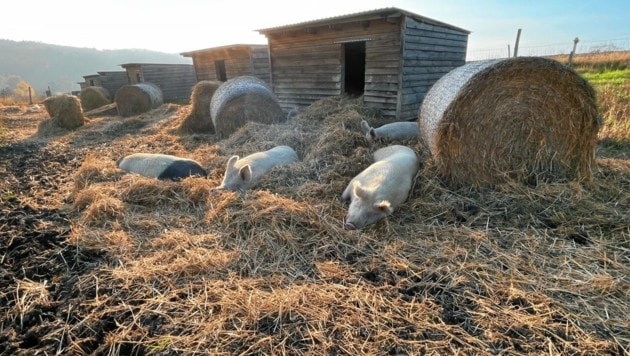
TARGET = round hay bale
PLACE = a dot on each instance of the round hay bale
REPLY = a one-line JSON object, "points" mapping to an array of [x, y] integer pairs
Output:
{"points": [[94, 97], [134, 99], [520, 119], [240, 100], [200, 119], [65, 111]]}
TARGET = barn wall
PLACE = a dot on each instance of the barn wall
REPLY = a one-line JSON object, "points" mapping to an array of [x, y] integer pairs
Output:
{"points": [[429, 52], [238, 61], [307, 65], [175, 80], [112, 81]]}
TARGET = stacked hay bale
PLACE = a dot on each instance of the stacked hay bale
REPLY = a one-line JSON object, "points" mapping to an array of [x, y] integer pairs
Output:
{"points": [[240, 100], [94, 97], [65, 111], [524, 119], [200, 120], [134, 99]]}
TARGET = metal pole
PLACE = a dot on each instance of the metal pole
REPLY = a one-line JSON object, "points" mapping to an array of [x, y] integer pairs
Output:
{"points": [[518, 38]]}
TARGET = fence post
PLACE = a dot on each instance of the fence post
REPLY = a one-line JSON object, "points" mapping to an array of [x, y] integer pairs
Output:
{"points": [[30, 96], [575, 42], [518, 38]]}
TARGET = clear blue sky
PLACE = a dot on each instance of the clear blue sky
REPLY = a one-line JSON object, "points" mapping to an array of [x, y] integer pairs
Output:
{"points": [[184, 25]]}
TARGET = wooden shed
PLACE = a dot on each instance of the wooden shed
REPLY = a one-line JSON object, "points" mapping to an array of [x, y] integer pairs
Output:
{"points": [[390, 56], [227, 62], [175, 80], [110, 80]]}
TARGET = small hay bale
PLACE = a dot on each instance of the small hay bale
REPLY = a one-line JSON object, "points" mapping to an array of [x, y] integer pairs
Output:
{"points": [[521, 119], [134, 99], [94, 97], [65, 111], [200, 119], [240, 100]]}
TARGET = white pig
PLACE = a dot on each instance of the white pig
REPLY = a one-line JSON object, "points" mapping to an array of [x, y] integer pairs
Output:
{"points": [[381, 187], [401, 130], [242, 174]]}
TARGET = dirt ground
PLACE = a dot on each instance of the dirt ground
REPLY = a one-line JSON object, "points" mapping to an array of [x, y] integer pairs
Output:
{"points": [[58, 294]]}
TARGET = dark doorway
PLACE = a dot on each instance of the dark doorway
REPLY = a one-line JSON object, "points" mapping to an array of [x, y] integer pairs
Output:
{"points": [[354, 65], [220, 67]]}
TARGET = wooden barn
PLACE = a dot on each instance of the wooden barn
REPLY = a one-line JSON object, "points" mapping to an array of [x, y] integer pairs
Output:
{"points": [[227, 62], [175, 80], [390, 56]]}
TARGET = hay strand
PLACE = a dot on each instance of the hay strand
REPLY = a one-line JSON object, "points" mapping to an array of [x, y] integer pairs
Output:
{"points": [[524, 119], [240, 100], [138, 98]]}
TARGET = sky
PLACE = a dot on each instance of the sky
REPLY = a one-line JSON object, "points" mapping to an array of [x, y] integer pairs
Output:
{"points": [[187, 25]]}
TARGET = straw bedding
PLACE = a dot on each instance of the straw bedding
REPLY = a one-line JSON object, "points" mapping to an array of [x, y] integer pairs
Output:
{"points": [[523, 119], [65, 111], [138, 98], [240, 100], [199, 120], [155, 267], [94, 97]]}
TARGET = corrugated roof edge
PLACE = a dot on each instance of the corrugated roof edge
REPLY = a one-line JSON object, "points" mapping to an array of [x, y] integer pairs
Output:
{"points": [[383, 12]]}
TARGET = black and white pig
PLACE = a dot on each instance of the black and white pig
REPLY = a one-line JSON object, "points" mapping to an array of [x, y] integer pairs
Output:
{"points": [[161, 166]]}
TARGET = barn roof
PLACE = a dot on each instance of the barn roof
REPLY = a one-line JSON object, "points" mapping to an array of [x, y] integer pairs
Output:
{"points": [[227, 47], [388, 12]]}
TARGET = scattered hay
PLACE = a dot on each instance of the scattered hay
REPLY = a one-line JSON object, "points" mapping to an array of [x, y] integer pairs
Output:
{"points": [[105, 110], [240, 100], [138, 98], [94, 97], [523, 119], [199, 120], [64, 111]]}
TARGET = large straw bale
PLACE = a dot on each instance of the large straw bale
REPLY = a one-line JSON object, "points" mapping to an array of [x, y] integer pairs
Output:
{"points": [[134, 99], [519, 119], [94, 97], [65, 111], [240, 100], [199, 120]]}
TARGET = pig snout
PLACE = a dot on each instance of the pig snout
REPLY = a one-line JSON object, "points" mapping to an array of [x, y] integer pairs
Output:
{"points": [[349, 226]]}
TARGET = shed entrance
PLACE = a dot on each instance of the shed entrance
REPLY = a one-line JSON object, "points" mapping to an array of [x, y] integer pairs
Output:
{"points": [[219, 66], [354, 68]]}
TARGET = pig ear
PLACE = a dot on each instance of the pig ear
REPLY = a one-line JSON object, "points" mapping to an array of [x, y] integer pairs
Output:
{"points": [[364, 126], [359, 191], [372, 133], [384, 206], [246, 173], [231, 162]]}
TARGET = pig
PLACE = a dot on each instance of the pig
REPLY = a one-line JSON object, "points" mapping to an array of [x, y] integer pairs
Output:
{"points": [[161, 166], [242, 174], [402, 130], [380, 188]]}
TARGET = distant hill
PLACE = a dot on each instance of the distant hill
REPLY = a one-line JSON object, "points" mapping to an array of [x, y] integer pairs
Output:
{"points": [[61, 67]]}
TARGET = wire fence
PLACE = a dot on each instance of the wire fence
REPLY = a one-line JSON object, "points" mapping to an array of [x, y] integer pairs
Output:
{"points": [[615, 44]]}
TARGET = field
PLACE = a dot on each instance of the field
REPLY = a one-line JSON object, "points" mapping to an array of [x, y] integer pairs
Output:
{"points": [[94, 261]]}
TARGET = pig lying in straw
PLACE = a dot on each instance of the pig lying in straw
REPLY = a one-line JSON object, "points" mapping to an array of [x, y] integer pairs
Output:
{"points": [[381, 187], [242, 174], [402, 130]]}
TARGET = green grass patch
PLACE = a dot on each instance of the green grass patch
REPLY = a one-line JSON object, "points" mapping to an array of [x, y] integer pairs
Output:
{"points": [[611, 77]]}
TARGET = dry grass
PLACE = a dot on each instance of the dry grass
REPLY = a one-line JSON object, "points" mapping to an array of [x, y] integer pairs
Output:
{"points": [[514, 270], [456, 270]]}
